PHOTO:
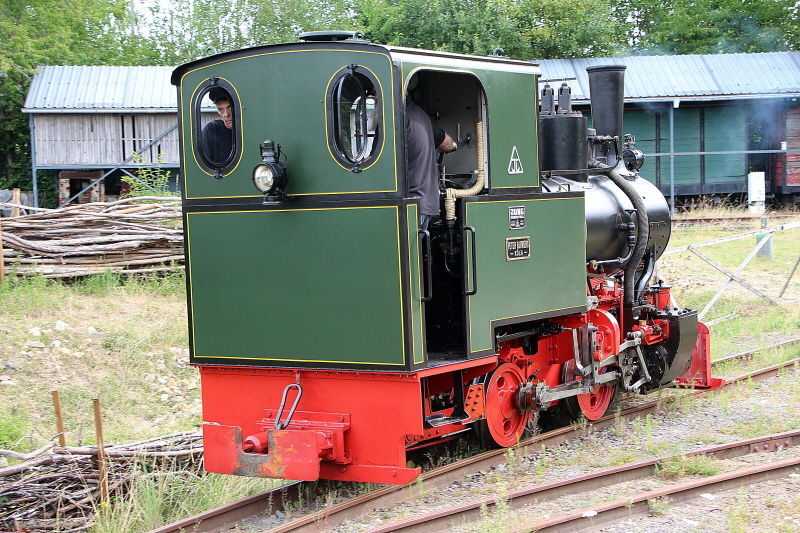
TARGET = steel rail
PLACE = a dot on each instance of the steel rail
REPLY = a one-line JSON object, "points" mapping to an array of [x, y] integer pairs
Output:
{"points": [[639, 503], [749, 354], [473, 510], [443, 476], [433, 479], [688, 221], [264, 502]]}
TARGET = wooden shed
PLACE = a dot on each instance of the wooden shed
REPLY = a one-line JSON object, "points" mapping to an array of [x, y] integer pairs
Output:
{"points": [[93, 124]]}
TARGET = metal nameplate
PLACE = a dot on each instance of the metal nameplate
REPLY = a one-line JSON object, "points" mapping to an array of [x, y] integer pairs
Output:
{"points": [[516, 217], [518, 248]]}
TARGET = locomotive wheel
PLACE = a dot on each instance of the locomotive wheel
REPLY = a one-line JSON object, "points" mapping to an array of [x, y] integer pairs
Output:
{"points": [[504, 423], [592, 405]]}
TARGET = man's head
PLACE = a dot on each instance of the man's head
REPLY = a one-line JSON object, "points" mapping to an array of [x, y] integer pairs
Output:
{"points": [[223, 104]]}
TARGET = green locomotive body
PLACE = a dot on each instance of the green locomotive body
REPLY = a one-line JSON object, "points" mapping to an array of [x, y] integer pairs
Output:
{"points": [[334, 329], [332, 277]]}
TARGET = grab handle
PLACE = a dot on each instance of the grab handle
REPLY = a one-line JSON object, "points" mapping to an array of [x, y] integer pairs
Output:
{"points": [[427, 271], [474, 265]]}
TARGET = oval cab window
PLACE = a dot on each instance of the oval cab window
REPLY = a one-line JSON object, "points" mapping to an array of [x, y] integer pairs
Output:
{"points": [[354, 117], [216, 118]]}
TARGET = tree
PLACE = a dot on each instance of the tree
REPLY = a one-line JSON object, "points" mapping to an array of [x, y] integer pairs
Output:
{"points": [[708, 26], [50, 32], [186, 29], [555, 29], [462, 26]]}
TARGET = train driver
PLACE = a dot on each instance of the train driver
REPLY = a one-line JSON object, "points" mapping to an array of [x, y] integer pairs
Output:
{"points": [[423, 139], [217, 135]]}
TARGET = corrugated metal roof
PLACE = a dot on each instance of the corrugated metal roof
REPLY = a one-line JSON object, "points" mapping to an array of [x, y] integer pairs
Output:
{"points": [[101, 89], [690, 77]]}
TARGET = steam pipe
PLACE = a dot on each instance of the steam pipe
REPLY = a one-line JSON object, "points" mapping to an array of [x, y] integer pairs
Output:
{"points": [[642, 228], [452, 194]]}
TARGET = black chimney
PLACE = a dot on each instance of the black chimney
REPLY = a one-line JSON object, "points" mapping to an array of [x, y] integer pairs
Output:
{"points": [[607, 91]]}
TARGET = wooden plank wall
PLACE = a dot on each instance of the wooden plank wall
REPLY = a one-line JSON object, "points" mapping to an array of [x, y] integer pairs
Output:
{"points": [[793, 143], [72, 139]]}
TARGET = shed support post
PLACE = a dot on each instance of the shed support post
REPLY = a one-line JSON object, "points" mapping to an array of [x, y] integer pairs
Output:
{"points": [[672, 159], [33, 162]]}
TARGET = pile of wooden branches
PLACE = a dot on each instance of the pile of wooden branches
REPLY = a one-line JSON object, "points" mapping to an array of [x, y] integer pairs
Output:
{"points": [[127, 237], [59, 488]]}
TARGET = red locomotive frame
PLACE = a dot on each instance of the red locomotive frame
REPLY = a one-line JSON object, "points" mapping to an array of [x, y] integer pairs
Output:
{"points": [[364, 437]]}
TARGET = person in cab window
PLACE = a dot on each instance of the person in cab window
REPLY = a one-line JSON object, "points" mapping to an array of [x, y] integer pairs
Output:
{"points": [[217, 135], [423, 139]]}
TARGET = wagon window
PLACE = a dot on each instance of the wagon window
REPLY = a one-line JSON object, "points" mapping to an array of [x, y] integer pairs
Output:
{"points": [[354, 117]]}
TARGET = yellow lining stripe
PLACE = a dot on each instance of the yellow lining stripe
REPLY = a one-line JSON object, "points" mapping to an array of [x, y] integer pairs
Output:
{"points": [[399, 267], [469, 314], [383, 118], [191, 128]]}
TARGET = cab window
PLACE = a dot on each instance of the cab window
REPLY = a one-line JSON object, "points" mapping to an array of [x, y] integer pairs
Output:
{"points": [[216, 121], [354, 117]]}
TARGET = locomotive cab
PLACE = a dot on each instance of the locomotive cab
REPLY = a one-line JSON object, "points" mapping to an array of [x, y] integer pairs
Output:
{"points": [[456, 102]]}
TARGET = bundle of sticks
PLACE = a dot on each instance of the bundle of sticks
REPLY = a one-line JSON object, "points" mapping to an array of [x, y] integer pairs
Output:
{"points": [[59, 488], [127, 236]]}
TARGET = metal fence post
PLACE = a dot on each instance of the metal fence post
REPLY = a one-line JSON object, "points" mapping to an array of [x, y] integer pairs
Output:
{"points": [[766, 250]]}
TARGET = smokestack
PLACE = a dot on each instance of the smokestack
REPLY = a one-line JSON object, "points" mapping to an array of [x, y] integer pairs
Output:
{"points": [[607, 90]]}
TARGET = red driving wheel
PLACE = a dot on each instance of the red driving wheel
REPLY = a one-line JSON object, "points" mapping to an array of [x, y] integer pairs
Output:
{"points": [[504, 421], [593, 404]]}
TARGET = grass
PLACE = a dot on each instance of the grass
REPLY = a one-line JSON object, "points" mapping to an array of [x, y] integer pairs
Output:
{"points": [[172, 493], [688, 465], [659, 506], [749, 321], [740, 516], [114, 335]]}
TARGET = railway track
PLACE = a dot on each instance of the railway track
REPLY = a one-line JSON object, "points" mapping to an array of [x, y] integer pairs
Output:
{"points": [[693, 221], [271, 501], [620, 508]]}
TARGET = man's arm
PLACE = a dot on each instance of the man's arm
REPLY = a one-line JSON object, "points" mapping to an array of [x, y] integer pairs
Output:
{"points": [[447, 145]]}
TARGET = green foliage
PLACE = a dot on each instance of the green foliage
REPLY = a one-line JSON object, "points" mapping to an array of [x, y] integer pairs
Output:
{"points": [[708, 26], [186, 29], [688, 465], [10, 431], [741, 515], [160, 496], [659, 506], [27, 295], [49, 32], [149, 181], [553, 29], [529, 29], [467, 27], [495, 520]]}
